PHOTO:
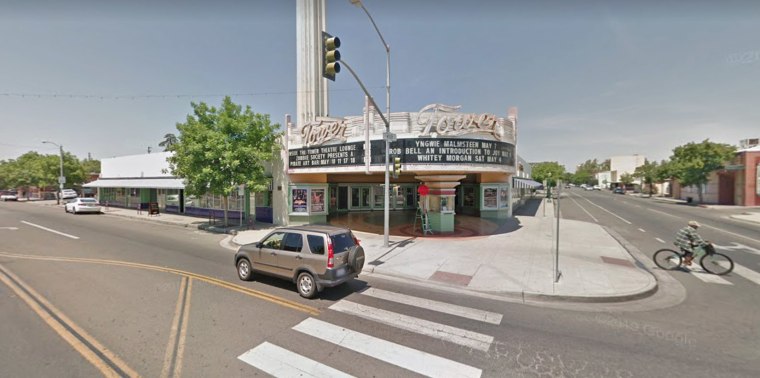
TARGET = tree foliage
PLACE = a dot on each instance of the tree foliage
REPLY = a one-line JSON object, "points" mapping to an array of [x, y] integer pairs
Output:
{"points": [[549, 171], [586, 172], [626, 179], [33, 169], [647, 173], [221, 148], [169, 140], [693, 162]]}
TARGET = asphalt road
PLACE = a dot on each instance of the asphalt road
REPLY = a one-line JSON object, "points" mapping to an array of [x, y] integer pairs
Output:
{"points": [[91, 294]]}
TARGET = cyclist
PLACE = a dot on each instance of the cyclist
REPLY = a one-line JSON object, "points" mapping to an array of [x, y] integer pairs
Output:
{"points": [[690, 242]]}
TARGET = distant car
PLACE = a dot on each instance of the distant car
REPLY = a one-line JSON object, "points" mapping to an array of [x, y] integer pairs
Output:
{"points": [[312, 256], [68, 193], [588, 187], [597, 187], [619, 191], [8, 195], [82, 205]]}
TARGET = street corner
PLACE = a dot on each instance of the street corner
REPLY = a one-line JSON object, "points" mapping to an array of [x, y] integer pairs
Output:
{"points": [[751, 217]]}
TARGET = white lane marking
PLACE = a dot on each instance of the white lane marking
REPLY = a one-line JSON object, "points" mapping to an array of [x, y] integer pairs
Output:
{"points": [[660, 240], [701, 274], [9, 228], [642, 230], [399, 355], [281, 362], [444, 332], [747, 273], [584, 209], [618, 216], [662, 212], [50, 230], [729, 232], [446, 308], [738, 247]]}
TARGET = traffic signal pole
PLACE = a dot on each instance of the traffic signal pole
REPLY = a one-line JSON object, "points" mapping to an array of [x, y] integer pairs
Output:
{"points": [[386, 237]]}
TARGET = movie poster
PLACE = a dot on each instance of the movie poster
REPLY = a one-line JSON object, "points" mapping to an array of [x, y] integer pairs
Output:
{"points": [[490, 198], [300, 196], [317, 200]]}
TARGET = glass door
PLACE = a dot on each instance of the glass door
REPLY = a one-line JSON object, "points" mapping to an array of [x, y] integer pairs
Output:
{"points": [[360, 197], [378, 202]]}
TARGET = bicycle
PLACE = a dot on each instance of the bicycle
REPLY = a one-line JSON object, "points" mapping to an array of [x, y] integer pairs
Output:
{"points": [[712, 262]]}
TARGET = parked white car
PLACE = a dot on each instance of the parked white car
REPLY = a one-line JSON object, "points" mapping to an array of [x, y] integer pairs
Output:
{"points": [[8, 195], [68, 194], [82, 205]]}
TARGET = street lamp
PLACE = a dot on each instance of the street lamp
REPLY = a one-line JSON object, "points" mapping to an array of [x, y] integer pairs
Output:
{"points": [[61, 178], [386, 211]]}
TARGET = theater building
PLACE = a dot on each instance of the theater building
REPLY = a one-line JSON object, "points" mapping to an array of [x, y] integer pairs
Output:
{"points": [[335, 165], [466, 160]]}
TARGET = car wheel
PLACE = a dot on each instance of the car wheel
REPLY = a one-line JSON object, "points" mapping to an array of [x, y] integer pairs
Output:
{"points": [[245, 270], [306, 285]]}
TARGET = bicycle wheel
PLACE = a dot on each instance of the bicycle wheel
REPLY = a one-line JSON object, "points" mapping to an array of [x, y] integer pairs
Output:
{"points": [[667, 259], [717, 263]]}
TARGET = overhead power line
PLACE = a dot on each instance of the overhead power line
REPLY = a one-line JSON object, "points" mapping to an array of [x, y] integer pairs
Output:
{"points": [[153, 96]]}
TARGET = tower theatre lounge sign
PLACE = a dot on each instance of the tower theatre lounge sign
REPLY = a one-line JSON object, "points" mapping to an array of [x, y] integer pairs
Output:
{"points": [[436, 136]]}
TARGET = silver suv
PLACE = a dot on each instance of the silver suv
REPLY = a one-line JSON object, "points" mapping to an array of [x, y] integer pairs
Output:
{"points": [[312, 256]]}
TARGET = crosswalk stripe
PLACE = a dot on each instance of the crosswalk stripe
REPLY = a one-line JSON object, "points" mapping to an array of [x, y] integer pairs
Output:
{"points": [[411, 359], [451, 334], [446, 308], [281, 362], [747, 273], [701, 274]]}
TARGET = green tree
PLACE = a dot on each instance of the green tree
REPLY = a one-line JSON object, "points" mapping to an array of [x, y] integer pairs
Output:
{"points": [[219, 149], [42, 171], [626, 179], [693, 162], [605, 165], [550, 171], [90, 166], [647, 173], [169, 140], [663, 172]]}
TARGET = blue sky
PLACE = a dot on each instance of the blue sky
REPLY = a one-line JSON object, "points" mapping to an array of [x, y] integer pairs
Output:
{"points": [[591, 79]]}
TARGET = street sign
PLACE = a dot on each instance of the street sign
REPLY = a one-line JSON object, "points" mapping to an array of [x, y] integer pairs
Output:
{"points": [[391, 137], [62, 179]]}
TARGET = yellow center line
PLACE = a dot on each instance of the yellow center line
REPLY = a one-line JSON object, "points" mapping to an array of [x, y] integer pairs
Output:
{"points": [[210, 280], [99, 356], [175, 350]]}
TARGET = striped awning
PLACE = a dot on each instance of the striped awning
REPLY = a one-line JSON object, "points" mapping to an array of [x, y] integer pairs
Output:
{"points": [[523, 183]]}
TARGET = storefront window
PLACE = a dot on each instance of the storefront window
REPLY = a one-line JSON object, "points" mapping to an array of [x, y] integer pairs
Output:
{"points": [[503, 197]]}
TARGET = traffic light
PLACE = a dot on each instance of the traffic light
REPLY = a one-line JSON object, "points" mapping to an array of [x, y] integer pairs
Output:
{"points": [[330, 56], [396, 166]]}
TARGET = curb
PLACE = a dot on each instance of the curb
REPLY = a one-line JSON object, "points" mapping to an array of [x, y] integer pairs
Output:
{"points": [[521, 296], [183, 225]]}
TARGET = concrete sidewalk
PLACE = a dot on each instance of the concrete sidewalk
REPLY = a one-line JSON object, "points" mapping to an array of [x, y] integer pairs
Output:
{"points": [[593, 265]]}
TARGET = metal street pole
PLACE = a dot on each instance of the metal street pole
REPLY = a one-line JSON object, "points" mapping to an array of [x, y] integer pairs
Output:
{"points": [[386, 210], [60, 178]]}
